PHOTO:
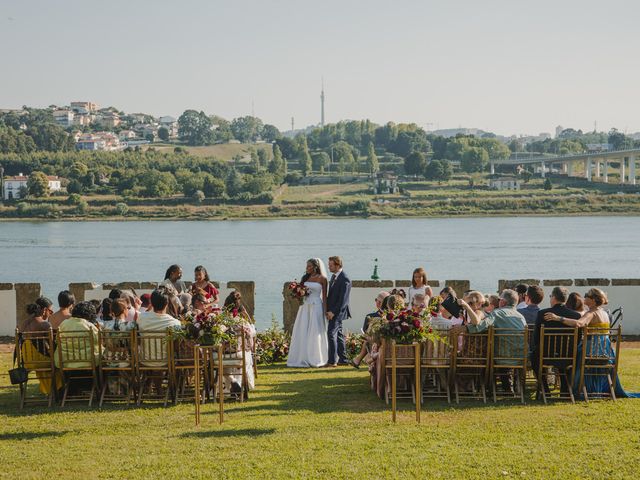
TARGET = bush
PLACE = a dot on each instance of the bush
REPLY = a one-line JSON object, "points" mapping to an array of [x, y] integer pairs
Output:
{"points": [[42, 210], [198, 196], [74, 199], [272, 345], [121, 209], [293, 178]]}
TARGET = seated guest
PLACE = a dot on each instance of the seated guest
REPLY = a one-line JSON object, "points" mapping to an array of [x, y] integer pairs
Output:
{"points": [[97, 306], [66, 300], [477, 302], [521, 289], [199, 305], [132, 303], [366, 344], [234, 303], [419, 303], [115, 294], [83, 319], [446, 291], [493, 302], [532, 298], [419, 285], [559, 296], [202, 282], [145, 302], [118, 321], [39, 313], [506, 317], [575, 302], [157, 320], [172, 278], [104, 313]]}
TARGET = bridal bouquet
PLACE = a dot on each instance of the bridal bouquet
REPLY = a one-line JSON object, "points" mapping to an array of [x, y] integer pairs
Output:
{"points": [[212, 328], [298, 291]]}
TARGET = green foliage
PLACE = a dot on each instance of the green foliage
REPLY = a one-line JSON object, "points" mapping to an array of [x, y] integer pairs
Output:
{"points": [[270, 133], [259, 183], [415, 163], [263, 158], [198, 196], [158, 184], [547, 184], [305, 158], [372, 160], [163, 134], [272, 345], [73, 199], [38, 184], [438, 170], [474, 159], [246, 129], [277, 165], [122, 208], [234, 183], [320, 161], [195, 128], [213, 187]]}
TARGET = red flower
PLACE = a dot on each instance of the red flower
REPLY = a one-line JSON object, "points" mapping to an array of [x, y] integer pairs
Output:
{"points": [[416, 323], [390, 316], [430, 329]]}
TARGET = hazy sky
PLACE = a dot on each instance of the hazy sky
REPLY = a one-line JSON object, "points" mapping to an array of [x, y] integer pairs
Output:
{"points": [[507, 66]]}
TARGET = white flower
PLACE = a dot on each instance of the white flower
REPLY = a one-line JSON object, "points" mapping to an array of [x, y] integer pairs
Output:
{"points": [[223, 328]]}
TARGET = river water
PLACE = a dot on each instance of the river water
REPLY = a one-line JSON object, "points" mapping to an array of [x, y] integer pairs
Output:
{"points": [[272, 252]]}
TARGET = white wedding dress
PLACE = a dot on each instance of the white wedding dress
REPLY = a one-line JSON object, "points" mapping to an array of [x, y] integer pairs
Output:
{"points": [[309, 343]]}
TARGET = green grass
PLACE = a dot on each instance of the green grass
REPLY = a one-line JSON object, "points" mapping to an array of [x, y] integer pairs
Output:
{"points": [[223, 151], [324, 423]]}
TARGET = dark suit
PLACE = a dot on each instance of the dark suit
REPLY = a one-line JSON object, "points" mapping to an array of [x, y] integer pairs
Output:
{"points": [[562, 311], [338, 305]]}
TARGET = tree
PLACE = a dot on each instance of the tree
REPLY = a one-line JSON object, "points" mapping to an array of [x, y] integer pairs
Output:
{"points": [[195, 128], [547, 184], [288, 147], [372, 160], [270, 133], [305, 158], [122, 208], [158, 184], [415, 163], [277, 165], [263, 157], [222, 129], [474, 159], [163, 134], [257, 184], [320, 161], [213, 187], [438, 170], [246, 129], [50, 137], [234, 182], [38, 185]]}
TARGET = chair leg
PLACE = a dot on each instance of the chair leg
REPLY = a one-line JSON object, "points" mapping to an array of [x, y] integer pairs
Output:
{"points": [[612, 388], [455, 386], [93, 390], [102, 394], [494, 388], [484, 393], [585, 394], [23, 394], [66, 391], [523, 385]]}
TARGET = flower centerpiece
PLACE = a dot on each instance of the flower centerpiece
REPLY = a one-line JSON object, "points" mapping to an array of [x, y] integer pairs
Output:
{"points": [[433, 308], [213, 328], [298, 291], [405, 326]]}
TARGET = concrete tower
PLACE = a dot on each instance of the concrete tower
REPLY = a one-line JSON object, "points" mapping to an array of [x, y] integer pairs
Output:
{"points": [[322, 104]]}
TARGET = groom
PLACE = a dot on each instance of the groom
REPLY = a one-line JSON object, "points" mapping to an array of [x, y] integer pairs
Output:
{"points": [[337, 311]]}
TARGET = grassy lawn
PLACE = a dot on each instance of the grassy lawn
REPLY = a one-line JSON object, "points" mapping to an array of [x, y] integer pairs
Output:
{"points": [[223, 151], [324, 423]]}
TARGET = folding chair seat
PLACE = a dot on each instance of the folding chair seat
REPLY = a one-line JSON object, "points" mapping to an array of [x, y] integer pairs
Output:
{"points": [[77, 356], [599, 354], [435, 366], [117, 365]]}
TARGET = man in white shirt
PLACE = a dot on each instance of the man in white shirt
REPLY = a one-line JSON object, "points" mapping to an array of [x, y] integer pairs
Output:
{"points": [[156, 321]]}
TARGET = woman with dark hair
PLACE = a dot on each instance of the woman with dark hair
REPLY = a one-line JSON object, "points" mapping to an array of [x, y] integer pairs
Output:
{"points": [[575, 302], [203, 282], [104, 314], [83, 319], [36, 351], [233, 303], [172, 278]]}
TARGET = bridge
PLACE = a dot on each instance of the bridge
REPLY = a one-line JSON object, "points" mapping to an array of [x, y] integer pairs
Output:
{"points": [[597, 165]]}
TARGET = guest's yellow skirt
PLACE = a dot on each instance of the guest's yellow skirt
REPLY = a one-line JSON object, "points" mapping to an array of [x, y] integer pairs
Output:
{"points": [[34, 360]]}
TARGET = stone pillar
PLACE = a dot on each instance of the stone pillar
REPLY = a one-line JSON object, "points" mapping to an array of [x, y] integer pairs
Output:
{"points": [[493, 168], [570, 169], [26, 293], [606, 170], [460, 286], [248, 292], [565, 168], [78, 289], [587, 169], [622, 169], [632, 170], [289, 309], [542, 174], [597, 168]]}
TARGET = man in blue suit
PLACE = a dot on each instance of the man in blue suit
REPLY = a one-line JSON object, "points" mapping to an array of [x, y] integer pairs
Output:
{"points": [[337, 311]]}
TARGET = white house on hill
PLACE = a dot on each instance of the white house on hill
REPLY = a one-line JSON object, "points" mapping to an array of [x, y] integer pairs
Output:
{"points": [[13, 185]]}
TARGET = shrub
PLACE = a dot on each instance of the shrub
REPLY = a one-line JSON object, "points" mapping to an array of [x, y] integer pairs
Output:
{"points": [[272, 345], [74, 199], [121, 208]]}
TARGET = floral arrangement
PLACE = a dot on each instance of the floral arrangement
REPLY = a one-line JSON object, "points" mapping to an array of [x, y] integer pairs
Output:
{"points": [[433, 308], [353, 342], [298, 291], [210, 328], [272, 345], [405, 326]]}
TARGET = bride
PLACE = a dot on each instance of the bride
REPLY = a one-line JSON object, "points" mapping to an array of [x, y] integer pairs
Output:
{"points": [[309, 344]]}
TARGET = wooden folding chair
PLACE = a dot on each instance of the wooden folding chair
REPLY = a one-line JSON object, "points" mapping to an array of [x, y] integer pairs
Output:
{"points": [[406, 359], [599, 359], [234, 364], [35, 351], [509, 356], [183, 366], [77, 361], [557, 356], [153, 365], [117, 365], [470, 363], [435, 366]]}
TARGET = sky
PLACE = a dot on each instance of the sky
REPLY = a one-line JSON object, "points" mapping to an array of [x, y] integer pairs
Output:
{"points": [[507, 66]]}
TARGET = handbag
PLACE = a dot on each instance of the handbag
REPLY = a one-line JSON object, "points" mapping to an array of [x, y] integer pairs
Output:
{"points": [[18, 374]]}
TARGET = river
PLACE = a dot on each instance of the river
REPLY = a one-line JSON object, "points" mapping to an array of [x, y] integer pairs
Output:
{"points": [[271, 252]]}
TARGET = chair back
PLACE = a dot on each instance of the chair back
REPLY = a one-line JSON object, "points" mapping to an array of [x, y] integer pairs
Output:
{"points": [[437, 353], [117, 349], [76, 350], [472, 350], [154, 350], [35, 350], [601, 347], [558, 347], [509, 347]]}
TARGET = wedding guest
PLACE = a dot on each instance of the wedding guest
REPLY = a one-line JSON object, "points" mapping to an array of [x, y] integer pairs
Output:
{"points": [[558, 299], [366, 344], [119, 321], [172, 278], [66, 300], [157, 320], [97, 305], [521, 289], [115, 293], [575, 302], [400, 292], [33, 351], [477, 302], [234, 303], [104, 311], [419, 285], [203, 282], [493, 302], [133, 305], [83, 319], [145, 302], [532, 298], [419, 303], [199, 305], [394, 302], [446, 291], [506, 317]]}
